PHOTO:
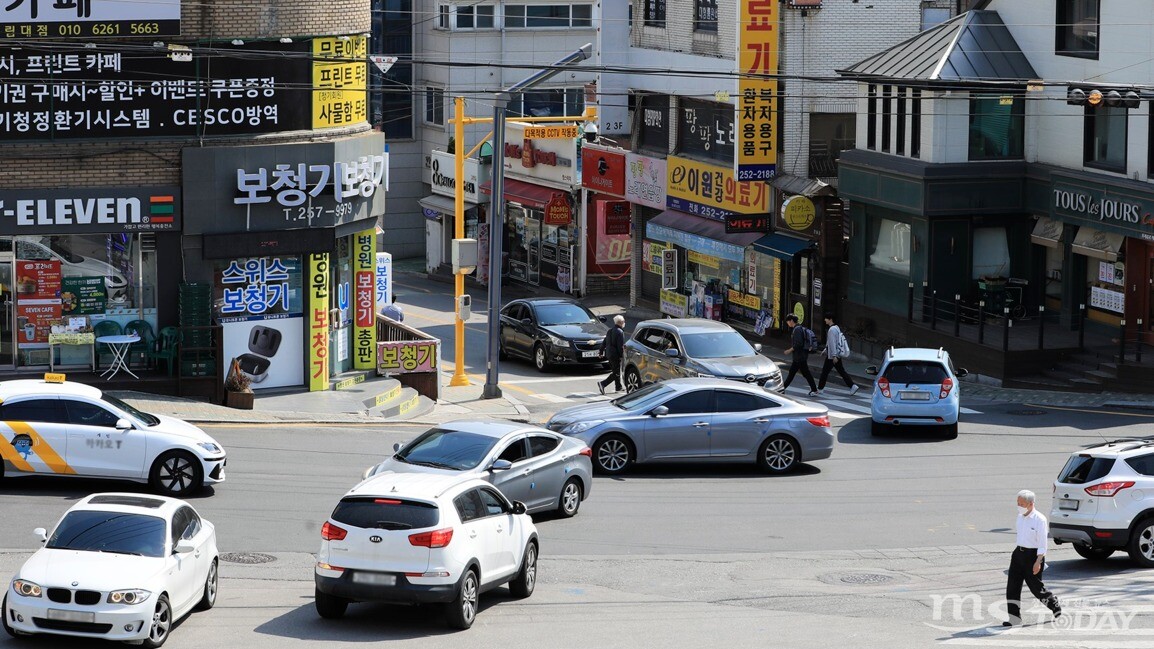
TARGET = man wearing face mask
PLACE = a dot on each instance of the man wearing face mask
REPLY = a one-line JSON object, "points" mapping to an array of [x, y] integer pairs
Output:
{"points": [[1029, 560]]}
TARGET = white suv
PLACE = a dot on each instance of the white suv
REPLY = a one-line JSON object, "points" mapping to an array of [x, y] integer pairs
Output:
{"points": [[416, 539], [1102, 501]]}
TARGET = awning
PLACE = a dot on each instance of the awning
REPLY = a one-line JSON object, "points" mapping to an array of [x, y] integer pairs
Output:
{"points": [[1098, 244], [808, 187], [1047, 232], [442, 204], [524, 193], [781, 246], [697, 233]]}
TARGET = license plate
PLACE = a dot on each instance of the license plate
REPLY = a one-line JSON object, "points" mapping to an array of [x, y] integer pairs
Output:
{"points": [[374, 579], [70, 616], [915, 396], [1064, 503], [590, 354]]}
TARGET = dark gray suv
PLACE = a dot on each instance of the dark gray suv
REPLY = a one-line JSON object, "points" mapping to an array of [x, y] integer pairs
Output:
{"points": [[689, 347]]}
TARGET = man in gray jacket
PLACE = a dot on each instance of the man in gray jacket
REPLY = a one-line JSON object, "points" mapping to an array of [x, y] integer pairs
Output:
{"points": [[836, 348]]}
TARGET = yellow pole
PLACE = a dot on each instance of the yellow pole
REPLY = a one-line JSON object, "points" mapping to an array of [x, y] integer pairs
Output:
{"points": [[459, 376]]}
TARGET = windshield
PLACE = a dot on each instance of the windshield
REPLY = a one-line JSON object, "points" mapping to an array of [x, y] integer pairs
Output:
{"points": [[448, 449], [563, 314], [117, 532], [915, 372], [645, 394], [717, 344], [1081, 469], [151, 420]]}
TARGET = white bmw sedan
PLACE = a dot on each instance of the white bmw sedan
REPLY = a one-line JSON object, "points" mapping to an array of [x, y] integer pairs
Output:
{"points": [[61, 428], [118, 566]]}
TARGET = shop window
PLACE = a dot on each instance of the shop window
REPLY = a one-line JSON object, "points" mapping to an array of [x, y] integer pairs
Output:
{"points": [[1077, 28], [654, 13], [829, 135], [552, 102], [891, 247], [1105, 143], [997, 127], [991, 253], [705, 16], [435, 106]]}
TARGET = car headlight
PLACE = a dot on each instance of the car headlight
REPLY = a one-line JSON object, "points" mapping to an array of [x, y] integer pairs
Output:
{"points": [[581, 426], [559, 342], [26, 588], [129, 596], [210, 447]]}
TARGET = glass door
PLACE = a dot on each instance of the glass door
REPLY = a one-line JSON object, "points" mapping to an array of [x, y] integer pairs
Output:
{"points": [[7, 341]]}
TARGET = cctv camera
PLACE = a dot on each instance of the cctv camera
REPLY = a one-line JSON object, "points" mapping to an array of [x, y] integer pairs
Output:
{"points": [[590, 132]]}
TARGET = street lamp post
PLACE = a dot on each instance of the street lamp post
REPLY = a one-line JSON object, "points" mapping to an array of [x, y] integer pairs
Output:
{"points": [[497, 207]]}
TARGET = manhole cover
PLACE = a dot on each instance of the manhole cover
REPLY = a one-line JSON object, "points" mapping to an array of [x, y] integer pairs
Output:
{"points": [[1028, 413], [860, 578], [247, 557]]}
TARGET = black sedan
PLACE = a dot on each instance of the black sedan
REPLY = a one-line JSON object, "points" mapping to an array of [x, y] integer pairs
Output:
{"points": [[551, 331]]}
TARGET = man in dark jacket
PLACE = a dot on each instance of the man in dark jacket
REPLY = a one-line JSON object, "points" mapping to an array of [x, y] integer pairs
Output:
{"points": [[800, 352], [614, 352]]}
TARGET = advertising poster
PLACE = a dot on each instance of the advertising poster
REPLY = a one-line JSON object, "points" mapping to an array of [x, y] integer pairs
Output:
{"points": [[82, 295], [34, 320], [614, 241], [262, 320], [38, 280], [364, 313], [757, 59]]}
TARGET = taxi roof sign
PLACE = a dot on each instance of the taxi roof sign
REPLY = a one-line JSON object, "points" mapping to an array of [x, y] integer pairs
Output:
{"points": [[50, 377]]}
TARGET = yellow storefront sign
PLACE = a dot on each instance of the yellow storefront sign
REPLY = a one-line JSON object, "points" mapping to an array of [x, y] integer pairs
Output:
{"points": [[757, 60], [364, 301], [673, 304], [651, 256], [708, 261], [568, 132], [318, 321], [340, 81], [743, 299], [711, 191]]}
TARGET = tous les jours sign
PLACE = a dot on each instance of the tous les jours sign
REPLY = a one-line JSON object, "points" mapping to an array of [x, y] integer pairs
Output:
{"points": [[1102, 209]]}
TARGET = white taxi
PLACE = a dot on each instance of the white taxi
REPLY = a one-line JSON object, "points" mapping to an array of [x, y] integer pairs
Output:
{"points": [[59, 428]]}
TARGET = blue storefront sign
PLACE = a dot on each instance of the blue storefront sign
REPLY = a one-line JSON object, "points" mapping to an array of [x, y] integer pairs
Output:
{"points": [[695, 242]]}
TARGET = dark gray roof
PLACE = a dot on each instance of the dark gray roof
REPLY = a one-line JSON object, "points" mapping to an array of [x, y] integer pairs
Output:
{"points": [[971, 48]]}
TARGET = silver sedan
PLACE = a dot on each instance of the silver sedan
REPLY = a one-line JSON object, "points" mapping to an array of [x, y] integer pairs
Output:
{"points": [[538, 467], [699, 420]]}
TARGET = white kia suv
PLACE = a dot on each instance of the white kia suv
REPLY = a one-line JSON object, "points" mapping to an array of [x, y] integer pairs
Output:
{"points": [[414, 538], [1102, 501]]}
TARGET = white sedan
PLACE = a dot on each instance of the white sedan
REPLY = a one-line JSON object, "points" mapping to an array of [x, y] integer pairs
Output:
{"points": [[118, 566], [61, 428]]}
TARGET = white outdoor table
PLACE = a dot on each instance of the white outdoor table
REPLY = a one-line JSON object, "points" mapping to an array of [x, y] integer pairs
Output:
{"points": [[119, 346]]}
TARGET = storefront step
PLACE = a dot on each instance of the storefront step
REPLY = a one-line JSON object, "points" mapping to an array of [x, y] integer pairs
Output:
{"points": [[408, 405], [349, 380]]}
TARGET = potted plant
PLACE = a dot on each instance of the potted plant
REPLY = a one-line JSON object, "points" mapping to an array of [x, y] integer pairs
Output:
{"points": [[238, 388]]}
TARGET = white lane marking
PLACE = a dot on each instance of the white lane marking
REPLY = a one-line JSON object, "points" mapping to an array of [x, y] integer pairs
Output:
{"points": [[594, 378], [552, 398]]}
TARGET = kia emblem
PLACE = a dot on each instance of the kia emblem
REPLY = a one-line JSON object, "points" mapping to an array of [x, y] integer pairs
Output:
{"points": [[75, 584], [375, 539]]}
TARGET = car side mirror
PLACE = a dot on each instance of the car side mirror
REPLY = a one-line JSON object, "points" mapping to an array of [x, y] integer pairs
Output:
{"points": [[123, 424], [184, 546], [526, 322], [672, 352], [501, 465], [602, 318], [659, 411], [519, 508], [962, 372], [397, 446], [41, 534], [757, 347], [872, 370]]}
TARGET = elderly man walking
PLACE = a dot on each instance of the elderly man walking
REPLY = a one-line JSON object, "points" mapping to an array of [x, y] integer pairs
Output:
{"points": [[614, 347], [1028, 560]]}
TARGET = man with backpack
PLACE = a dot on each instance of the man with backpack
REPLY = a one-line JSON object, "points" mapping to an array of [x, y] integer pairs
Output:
{"points": [[804, 342], [836, 348]]}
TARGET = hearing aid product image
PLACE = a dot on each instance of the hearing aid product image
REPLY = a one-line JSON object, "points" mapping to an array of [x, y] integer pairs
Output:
{"points": [[263, 343]]}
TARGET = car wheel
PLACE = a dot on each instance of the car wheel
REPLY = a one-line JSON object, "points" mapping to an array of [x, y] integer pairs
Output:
{"points": [[778, 454], [879, 430], [208, 598], [570, 500], [161, 624], [330, 607], [540, 358], [612, 454], [632, 379], [501, 353], [1092, 553], [951, 431], [463, 609], [1141, 546], [523, 584], [176, 474]]}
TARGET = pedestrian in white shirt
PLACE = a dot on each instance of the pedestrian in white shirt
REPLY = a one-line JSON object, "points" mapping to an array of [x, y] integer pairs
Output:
{"points": [[1029, 560], [836, 348], [393, 311]]}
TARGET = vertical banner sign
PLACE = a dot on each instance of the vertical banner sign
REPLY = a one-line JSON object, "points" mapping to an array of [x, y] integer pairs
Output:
{"points": [[340, 78], [757, 56], [669, 269], [384, 279], [364, 289], [318, 369]]}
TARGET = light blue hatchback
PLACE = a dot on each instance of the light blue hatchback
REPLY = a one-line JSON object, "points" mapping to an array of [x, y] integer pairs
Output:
{"points": [[916, 387]]}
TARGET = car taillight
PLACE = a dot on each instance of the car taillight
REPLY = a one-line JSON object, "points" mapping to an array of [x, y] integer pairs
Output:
{"points": [[947, 385], [434, 539], [330, 532], [1108, 489], [820, 422], [587, 452], [884, 386]]}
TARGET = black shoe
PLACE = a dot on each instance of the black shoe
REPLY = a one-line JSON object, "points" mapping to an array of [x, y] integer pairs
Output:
{"points": [[1007, 623], [601, 388], [1057, 614]]}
